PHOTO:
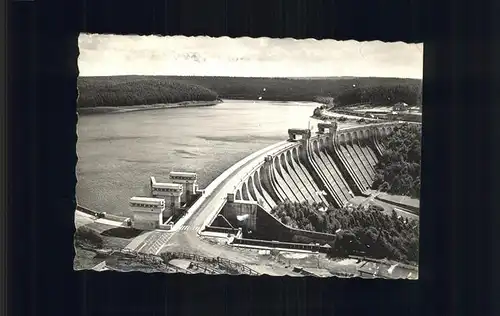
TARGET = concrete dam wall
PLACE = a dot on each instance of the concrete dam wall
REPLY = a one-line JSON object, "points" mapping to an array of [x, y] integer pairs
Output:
{"points": [[330, 168], [258, 223]]}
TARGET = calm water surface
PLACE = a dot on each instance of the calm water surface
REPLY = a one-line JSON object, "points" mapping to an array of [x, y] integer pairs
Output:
{"points": [[119, 152]]}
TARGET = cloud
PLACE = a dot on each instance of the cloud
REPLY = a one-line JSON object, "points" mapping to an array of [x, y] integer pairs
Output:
{"points": [[102, 55]]}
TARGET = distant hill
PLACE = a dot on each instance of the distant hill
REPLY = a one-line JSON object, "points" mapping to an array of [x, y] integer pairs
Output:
{"points": [[134, 90], [290, 89], [390, 94]]}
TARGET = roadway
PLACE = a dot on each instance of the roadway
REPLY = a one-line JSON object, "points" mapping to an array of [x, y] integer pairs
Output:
{"points": [[188, 240], [185, 236], [388, 208]]}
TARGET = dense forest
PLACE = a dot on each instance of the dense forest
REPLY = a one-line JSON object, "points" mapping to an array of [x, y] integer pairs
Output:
{"points": [[399, 167], [137, 90], [410, 93], [290, 89], [369, 232]]}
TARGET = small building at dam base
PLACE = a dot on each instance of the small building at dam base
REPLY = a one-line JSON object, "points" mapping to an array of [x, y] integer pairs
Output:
{"points": [[167, 200], [147, 212]]}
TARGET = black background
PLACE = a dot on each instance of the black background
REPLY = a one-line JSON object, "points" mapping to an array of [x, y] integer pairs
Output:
{"points": [[456, 266]]}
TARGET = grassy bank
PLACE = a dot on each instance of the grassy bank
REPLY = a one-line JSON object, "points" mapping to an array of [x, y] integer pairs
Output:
{"points": [[135, 90]]}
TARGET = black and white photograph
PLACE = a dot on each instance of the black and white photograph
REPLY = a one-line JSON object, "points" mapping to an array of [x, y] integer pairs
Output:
{"points": [[249, 156]]}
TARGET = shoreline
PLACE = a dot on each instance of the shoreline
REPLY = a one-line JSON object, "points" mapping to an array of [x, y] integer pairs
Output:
{"points": [[146, 107]]}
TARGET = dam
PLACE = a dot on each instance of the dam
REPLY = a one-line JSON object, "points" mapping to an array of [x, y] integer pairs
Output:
{"points": [[330, 167], [327, 169]]}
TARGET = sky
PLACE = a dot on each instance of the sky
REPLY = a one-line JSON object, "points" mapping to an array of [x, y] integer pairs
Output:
{"points": [[107, 55]]}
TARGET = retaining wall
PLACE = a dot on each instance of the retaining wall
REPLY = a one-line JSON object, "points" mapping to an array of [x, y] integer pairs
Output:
{"points": [[224, 230], [410, 208], [264, 225], [232, 210], [279, 244]]}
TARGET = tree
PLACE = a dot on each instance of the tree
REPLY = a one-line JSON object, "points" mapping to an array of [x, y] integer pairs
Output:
{"points": [[382, 95], [87, 237], [400, 163]]}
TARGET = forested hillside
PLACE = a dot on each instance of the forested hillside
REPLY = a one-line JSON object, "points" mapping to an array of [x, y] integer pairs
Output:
{"points": [[138, 90], [369, 232], [399, 167], [410, 93]]}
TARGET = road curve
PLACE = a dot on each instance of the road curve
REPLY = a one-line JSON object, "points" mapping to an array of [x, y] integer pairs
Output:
{"points": [[214, 201], [188, 240]]}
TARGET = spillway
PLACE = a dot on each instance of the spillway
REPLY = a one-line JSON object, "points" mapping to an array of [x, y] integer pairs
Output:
{"points": [[378, 144], [365, 165], [350, 159], [319, 158], [337, 175], [356, 161], [307, 179], [369, 154], [257, 194], [285, 183], [304, 190], [339, 186], [245, 193], [263, 192], [275, 185], [286, 177], [293, 183]]}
